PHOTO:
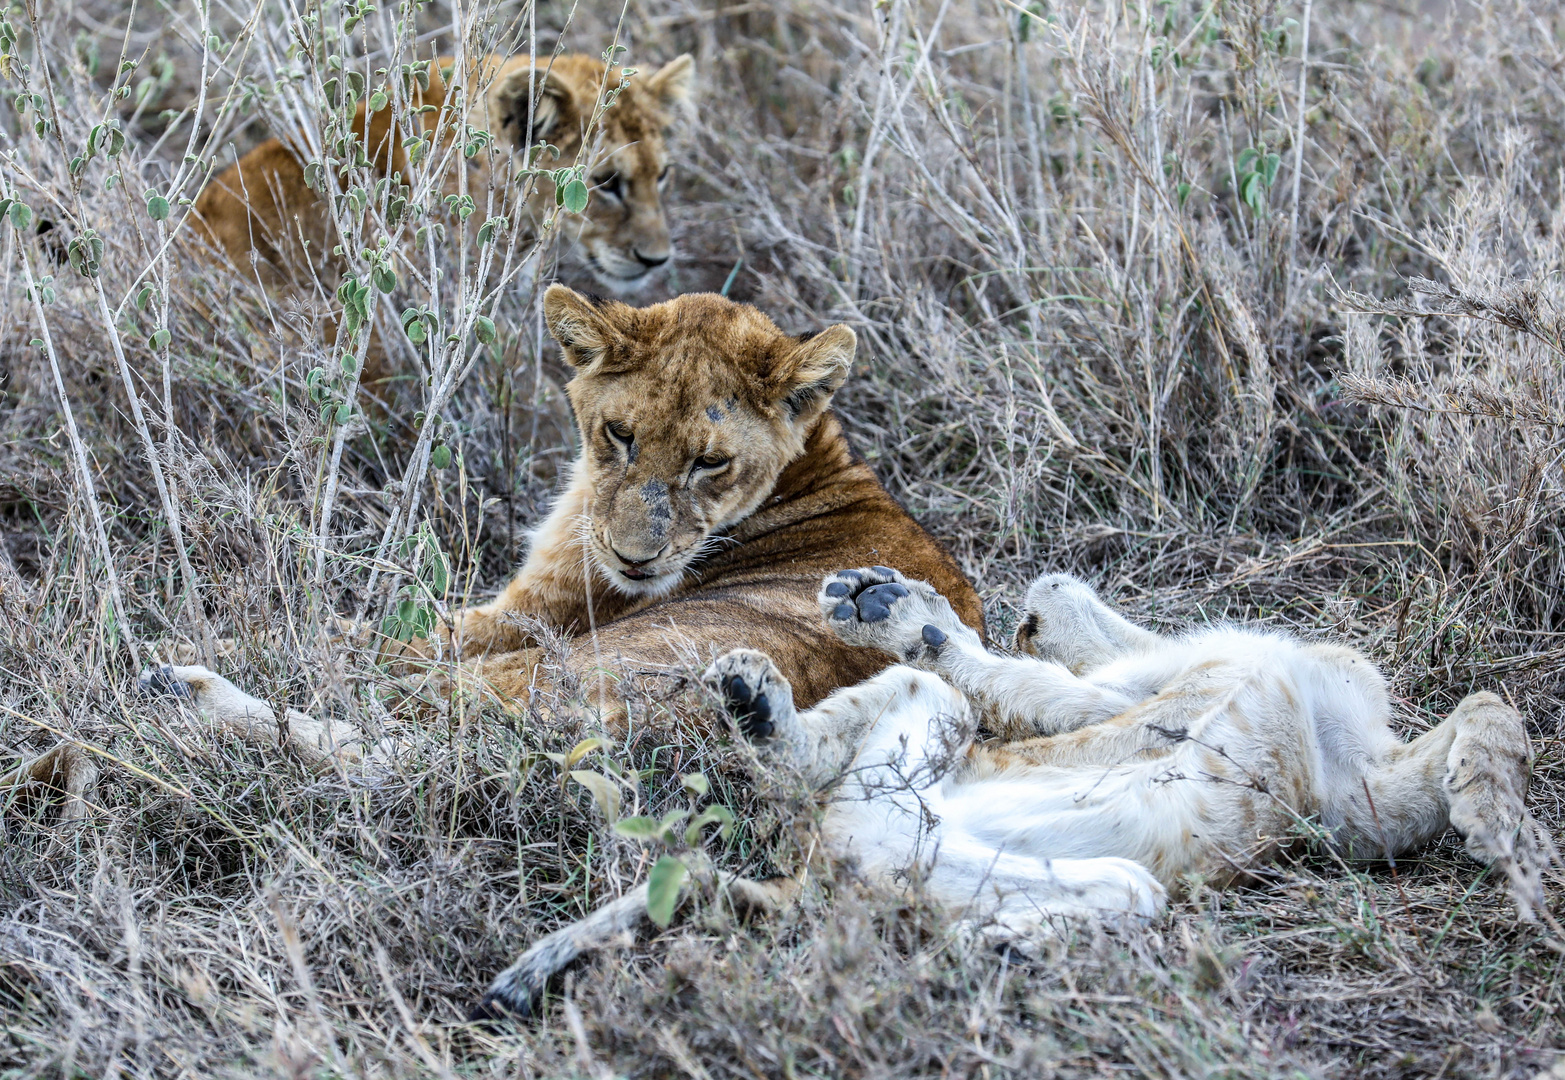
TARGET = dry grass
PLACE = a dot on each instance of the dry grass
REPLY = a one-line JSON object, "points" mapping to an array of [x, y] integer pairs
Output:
{"points": [[1335, 406]]}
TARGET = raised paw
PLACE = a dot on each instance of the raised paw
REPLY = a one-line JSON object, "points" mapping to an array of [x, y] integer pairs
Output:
{"points": [[1065, 621], [879, 608], [755, 694]]}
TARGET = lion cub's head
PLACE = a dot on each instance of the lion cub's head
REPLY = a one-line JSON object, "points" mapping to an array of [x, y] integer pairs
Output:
{"points": [[623, 233], [689, 412]]}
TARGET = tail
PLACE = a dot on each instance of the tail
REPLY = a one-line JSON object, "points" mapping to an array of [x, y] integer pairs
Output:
{"points": [[515, 992]]}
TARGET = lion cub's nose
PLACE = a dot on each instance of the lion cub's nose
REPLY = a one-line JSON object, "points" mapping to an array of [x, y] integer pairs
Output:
{"points": [[637, 564]]}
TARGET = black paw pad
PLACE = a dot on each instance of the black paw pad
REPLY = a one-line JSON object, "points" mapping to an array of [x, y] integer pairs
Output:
{"points": [[933, 636], [749, 709], [163, 681], [837, 588], [875, 602], [852, 575], [884, 571], [844, 612], [737, 691]]}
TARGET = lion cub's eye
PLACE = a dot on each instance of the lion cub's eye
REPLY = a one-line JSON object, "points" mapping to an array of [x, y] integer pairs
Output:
{"points": [[619, 432], [609, 184], [710, 462]]}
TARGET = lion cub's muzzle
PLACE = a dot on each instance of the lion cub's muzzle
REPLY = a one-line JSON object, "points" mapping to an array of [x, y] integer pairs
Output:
{"points": [[632, 269]]}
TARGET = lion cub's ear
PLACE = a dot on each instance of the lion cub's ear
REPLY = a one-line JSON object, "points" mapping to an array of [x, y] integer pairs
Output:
{"points": [[672, 82], [809, 372], [553, 115], [584, 331]]}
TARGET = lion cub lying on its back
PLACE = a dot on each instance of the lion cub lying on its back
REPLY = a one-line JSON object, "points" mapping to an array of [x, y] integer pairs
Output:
{"points": [[1126, 761]]}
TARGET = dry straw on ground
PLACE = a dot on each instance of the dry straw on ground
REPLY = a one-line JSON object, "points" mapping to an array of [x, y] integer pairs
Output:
{"points": [[1105, 330]]}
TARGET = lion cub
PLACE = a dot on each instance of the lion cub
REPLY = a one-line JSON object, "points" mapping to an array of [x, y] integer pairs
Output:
{"points": [[270, 224], [713, 488], [1125, 763]]}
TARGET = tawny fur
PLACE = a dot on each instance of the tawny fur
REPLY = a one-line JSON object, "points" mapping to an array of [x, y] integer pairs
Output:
{"points": [[260, 213], [746, 540], [1129, 763], [713, 490]]}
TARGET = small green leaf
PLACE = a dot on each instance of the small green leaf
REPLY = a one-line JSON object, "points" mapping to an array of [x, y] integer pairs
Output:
{"points": [[144, 297], [663, 885], [484, 328], [637, 828], [439, 572], [1252, 192], [417, 332], [385, 278], [378, 101], [670, 822], [720, 814], [350, 363], [21, 215], [605, 792], [695, 783], [582, 749], [344, 413], [157, 208], [160, 338], [440, 457], [575, 197]]}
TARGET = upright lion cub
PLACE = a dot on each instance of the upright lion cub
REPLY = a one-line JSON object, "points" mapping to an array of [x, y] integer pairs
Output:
{"points": [[713, 488], [262, 215]]}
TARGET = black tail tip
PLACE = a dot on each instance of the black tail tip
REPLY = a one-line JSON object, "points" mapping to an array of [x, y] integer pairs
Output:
{"points": [[495, 1009]]}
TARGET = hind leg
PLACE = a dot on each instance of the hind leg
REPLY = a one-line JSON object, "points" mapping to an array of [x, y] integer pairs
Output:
{"points": [[64, 768], [1471, 772], [1066, 622], [1018, 900]]}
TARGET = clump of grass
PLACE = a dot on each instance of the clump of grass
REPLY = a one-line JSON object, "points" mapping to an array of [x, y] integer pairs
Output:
{"points": [[1145, 294]]}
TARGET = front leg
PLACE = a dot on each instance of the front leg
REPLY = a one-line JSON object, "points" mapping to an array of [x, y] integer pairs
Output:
{"points": [[557, 584], [1021, 697], [320, 744]]}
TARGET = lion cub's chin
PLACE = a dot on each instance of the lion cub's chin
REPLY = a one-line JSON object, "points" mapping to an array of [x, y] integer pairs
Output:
{"points": [[621, 285]]}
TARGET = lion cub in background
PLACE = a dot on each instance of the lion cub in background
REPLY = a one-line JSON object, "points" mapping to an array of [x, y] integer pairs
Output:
{"points": [[270, 224]]}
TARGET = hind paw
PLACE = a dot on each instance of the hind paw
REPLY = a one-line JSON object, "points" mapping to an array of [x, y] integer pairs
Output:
{"points": [[755, 695], [1487, 773]]}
